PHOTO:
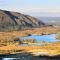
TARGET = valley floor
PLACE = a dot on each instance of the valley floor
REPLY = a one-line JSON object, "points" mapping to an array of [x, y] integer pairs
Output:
{"points": [[8, 46]]}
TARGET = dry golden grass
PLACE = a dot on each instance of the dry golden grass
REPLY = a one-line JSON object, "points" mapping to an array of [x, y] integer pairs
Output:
{"points": [[10, 36], [11, 47], [52, 50]]}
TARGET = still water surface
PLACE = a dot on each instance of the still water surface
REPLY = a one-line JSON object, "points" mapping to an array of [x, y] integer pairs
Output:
{"points": [[40, 38]]}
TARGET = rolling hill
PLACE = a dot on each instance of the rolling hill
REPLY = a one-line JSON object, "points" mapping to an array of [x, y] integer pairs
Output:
{"points": [[12, 21]]}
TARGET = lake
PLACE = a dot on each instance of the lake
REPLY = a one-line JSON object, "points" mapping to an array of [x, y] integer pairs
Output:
{"points": [[40, 38]]}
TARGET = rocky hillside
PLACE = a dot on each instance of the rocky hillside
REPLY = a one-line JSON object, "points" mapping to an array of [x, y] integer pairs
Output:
{"points": [[10, 21]]}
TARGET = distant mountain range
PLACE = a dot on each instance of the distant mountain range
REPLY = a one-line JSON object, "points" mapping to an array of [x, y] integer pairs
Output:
{"points": [[50, 20], [11, 21]]}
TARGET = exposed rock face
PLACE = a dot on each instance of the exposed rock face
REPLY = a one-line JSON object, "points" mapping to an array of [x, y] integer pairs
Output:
{"points": [[10, 21]]}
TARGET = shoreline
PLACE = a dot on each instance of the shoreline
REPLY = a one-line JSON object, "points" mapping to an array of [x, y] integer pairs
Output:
{"points": [[25, 55]]}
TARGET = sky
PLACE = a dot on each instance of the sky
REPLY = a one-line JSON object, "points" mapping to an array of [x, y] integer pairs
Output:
{"points": [[32, 7]]}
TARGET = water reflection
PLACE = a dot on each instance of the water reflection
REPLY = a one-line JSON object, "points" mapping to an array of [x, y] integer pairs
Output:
{"points": [[9, 58], [33, 58]]}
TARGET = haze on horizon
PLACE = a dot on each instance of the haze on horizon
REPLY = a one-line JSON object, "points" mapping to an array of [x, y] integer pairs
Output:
{"points": [[32, 7]]}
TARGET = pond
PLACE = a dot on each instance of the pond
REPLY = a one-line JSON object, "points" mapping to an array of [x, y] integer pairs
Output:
{"points": [[8, 58], [38, 44], [40, 38]]}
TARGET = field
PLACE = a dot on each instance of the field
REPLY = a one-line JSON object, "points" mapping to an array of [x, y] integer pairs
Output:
{"points": [[9, 46]]}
